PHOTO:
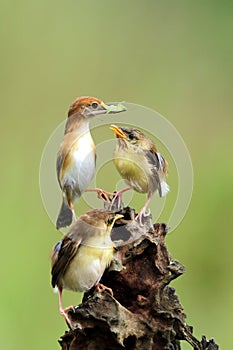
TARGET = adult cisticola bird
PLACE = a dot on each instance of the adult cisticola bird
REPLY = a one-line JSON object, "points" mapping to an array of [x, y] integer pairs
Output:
{"points": [[140, 164], [76, 158], [81, 257]]}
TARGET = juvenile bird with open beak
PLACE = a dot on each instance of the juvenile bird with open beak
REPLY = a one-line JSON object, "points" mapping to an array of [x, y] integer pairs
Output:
{"points": [[140, 164], [76, 158], [81, 257]]}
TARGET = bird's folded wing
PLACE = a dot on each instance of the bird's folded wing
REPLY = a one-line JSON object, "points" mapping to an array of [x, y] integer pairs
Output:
{"points": [[62, 255], [162, 164], [69, 141], [154, 161]]}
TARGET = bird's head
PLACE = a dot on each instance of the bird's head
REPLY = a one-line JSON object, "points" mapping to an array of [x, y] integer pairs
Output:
{"points": [[111, 219], [130, 137], [91, 106], [100, 218], [95, 224]]}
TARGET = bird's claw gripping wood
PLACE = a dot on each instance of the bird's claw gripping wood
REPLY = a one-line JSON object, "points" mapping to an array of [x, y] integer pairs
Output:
{"points": [[64, 313], [118, 196], [142, 214], [100, 287], [102, 194]]}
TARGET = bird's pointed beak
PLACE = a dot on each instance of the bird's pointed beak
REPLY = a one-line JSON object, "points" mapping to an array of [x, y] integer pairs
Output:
{"points": [[117, 131], [113, 108], [105, 108], [118, 216]]}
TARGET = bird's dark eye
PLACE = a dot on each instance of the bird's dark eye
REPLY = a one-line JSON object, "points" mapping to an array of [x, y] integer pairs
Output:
{"points": [[132, 136], [94, 105], [110, 220]]}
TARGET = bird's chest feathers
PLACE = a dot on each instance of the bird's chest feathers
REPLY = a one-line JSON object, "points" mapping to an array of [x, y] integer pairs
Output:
{"points": [[134, 169], [87, 267], [79, 164], [83, 151]]}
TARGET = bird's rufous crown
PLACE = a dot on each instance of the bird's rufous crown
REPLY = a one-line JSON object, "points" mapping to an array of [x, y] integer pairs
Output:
{"points": [[80, 103]]}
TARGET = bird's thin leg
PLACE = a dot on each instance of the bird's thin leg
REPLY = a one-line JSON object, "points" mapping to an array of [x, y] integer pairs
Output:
{"points": [[63, 312], [100, 287], [72, 209], [118, 196], [104, 195], [69, 197], [143, 210]]}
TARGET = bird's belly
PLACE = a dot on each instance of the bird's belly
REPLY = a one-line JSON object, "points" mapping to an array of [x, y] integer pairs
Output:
{"points": [[134, 174], [87, 268], [81, 170]]}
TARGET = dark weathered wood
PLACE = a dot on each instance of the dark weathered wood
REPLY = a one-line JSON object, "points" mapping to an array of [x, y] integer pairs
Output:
{"points": [[144, 312]]}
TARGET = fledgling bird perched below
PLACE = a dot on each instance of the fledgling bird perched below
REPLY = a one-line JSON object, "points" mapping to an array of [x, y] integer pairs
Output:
{"points": [[140, 164], [81, 257], [76, 158]]}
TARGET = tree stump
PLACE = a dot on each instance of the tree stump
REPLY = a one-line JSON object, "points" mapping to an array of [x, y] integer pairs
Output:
{"points": [[144, 312]]}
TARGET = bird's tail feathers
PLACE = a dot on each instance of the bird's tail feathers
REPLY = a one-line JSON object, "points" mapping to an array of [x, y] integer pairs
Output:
{"points": [[65, 216]]}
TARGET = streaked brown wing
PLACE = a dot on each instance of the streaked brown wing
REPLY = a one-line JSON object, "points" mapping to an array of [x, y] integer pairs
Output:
{"points": [[154, 161], [69, 141], [60, 160], [63, 253]]}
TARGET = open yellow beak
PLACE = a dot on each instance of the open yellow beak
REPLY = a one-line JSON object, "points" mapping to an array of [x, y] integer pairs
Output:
{"points": [[117, 131], [118, 216]]}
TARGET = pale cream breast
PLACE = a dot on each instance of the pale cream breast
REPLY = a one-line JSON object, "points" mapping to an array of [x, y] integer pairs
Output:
{"points": [[133, 169], [80, 168], [87, 268]]}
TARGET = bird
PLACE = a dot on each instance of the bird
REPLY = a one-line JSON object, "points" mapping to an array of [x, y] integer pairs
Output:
{"points": [[140, 164], [76, 158], [81, 257]]}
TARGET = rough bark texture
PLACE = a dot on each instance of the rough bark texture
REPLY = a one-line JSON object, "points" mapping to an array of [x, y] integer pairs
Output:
{"points": [[144, 312]]}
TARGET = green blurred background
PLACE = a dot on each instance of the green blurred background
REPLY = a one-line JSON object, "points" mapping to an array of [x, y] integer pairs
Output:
{"points": [[172, 56]]}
